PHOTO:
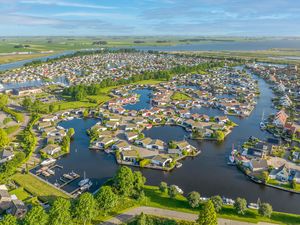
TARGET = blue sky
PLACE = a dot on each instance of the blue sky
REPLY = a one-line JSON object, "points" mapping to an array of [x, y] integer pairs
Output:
{"points": [[150, 17]]}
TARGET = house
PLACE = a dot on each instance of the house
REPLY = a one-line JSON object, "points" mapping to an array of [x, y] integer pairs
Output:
{"points": [[161, 160], [145, 142], [131, 136], [50, 131], [51, 149], [157, 144], [280, 118], [257, 165], [54, 139], [112, 124], [121, 146], [5, 198], [104, 142], [221, 119], [131, 127], [50, 118], [18, 208], [131, 155], [184, 146], [281, 174], [98, 127], [43, 125], [26, 91], [259, 150], [6, 155]]}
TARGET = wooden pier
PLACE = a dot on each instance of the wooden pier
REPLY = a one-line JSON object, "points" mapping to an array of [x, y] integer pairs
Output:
{"points": [[66, 182]]}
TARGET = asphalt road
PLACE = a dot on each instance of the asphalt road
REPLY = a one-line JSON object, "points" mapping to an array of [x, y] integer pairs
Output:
{"points": [[122, 218]]}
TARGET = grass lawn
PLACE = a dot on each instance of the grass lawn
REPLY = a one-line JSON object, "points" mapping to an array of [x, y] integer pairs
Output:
{"points": [[20, 193], [161, 200], [180, 96], [124, 204], [37, 188]]}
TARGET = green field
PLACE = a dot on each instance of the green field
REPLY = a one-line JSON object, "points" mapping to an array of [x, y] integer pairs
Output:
{"points": [[162, 200], [179, 96], [37, 188]]}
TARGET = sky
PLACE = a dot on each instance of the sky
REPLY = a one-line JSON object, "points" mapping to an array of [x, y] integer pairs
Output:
{"points": [[150, 17]]}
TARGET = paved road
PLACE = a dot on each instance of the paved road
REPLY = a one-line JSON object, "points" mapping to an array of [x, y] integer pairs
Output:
{"points": [[168, 214]]}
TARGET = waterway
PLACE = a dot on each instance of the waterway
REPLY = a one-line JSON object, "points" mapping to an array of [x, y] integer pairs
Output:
{"points": [[207, 173]]}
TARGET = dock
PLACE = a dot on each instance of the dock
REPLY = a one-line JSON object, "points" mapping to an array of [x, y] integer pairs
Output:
{"points": [[66, 182]]}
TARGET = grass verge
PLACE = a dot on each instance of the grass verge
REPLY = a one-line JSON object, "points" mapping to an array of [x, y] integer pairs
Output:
{"points": [[37, 188]]}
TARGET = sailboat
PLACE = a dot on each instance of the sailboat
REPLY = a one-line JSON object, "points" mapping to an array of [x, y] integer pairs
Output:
{"points": [[262, 124], [84, 181], [231, 156]]}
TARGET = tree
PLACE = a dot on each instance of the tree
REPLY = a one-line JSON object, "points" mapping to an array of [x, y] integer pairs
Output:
{"points": [[3, 100], [219, 135], [71, 132], [9, 220], [85, 113], [36, 215], [240, 205], [294, 184], [139, 181], [124, 181], [173, 191], [4, 139], [218, 202], [208, 215], [194, 199], [51, 108], [265, 210], [163, 187], [60, 212], [106, 198], [265, 176], [85, 208]]}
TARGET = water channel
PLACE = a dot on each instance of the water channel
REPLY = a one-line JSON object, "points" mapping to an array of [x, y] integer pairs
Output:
{"points": [[208, 173]]}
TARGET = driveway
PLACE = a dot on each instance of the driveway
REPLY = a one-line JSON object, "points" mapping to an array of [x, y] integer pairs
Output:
{"points": [[168, 214]]}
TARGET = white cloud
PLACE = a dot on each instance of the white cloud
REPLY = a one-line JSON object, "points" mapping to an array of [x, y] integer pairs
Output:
{"points": [[64, 3]]}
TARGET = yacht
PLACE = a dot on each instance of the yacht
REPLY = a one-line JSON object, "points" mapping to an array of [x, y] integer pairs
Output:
{"points": [[84, 182], [48, 162], [262, 125]]}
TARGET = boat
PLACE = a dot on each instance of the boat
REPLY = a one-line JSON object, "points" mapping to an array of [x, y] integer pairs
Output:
{"points": [[228, 201], [178, 165], [231, 160], [68, 176], [48, 162], [86, 186], [84, 181], [45, 173], [253, 206], [1, 87], [262, 123], [179, 190], [73, 174], [262, 126], [51, 172], [204, 199]]}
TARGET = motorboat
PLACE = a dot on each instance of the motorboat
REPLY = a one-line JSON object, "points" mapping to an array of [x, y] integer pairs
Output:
{"points": [[48, 162], [262, 125], [253, 206], [84, 182]]}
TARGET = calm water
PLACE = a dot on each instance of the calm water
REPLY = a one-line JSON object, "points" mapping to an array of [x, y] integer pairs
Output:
{"points": [[144, 100], [227, 46], [208, 173]]}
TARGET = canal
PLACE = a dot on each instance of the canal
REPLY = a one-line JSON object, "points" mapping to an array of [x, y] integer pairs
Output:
{"points": [[208, 173]]}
